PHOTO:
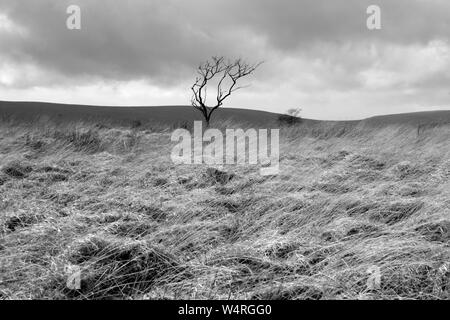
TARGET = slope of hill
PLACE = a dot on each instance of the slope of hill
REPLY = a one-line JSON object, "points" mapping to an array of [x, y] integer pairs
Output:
{"points": [[428, 118], [176, 115], [169, 115]]}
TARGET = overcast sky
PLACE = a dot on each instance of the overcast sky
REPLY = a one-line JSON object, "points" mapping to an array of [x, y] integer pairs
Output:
{"points": [[319, 54]]}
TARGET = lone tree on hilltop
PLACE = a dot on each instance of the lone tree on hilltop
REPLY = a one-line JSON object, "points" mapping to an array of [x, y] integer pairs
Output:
{"points": [[224, 76]]}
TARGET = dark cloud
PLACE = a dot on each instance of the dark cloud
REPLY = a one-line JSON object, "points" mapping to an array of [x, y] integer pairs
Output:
{"points": [[311, 45], [157, 38], [292, 24]]}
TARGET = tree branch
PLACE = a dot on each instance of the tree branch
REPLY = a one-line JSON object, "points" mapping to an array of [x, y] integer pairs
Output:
{"points": [[227, 72]]}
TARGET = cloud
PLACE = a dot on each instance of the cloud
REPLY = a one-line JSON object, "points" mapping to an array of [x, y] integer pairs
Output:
{"points": [[318, 53]]}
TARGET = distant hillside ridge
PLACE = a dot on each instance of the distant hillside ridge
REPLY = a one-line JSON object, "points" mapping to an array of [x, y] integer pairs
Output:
{"points": [[154, 114], [414, 118], [175, 115]]}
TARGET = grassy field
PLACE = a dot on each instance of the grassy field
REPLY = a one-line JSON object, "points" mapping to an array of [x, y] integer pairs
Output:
{"points": [[107, 199]]}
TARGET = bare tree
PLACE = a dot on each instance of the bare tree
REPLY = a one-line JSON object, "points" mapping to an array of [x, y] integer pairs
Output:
{"points": [[225, 75]]}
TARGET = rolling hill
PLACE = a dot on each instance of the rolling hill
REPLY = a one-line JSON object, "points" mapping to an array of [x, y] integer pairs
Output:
{"points": [[413, 118], [178, 114], [157, 114]]}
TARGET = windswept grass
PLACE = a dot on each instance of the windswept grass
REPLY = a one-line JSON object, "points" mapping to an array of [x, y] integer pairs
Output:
{"points": [[107, 200]]}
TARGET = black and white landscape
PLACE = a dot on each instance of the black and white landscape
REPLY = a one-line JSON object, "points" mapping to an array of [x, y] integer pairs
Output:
{"points": [[355, 96]]}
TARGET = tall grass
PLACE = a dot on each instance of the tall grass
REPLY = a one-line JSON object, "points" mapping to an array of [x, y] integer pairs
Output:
{"points": [[349, 199]]}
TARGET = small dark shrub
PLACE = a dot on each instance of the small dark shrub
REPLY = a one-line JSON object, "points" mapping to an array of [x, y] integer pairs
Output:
{"points": [[286, 119]]}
